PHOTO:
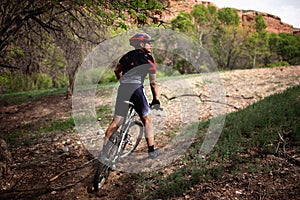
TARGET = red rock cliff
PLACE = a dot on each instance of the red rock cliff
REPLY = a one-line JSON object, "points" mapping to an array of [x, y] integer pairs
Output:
{"points": [[274, 22]]}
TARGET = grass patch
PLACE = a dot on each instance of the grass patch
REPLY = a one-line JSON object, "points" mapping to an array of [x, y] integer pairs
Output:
{"points": [[21, 97], [59, 125], [255, 128], [29, 133], [105, 113]]}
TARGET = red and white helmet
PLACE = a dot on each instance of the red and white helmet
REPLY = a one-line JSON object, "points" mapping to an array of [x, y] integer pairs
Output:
{"points": [[140, 37]]}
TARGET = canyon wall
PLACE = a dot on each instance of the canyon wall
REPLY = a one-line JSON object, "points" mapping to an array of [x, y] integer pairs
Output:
{"points": [[246, 17], [274, 23]]}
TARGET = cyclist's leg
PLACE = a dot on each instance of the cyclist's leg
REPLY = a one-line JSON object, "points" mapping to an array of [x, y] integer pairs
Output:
{"points": [[114, 125], [143, 109], [149, 135], [121, 110]]}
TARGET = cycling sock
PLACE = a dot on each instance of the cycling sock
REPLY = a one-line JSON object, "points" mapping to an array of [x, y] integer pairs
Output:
{"points": [[151, 148]]}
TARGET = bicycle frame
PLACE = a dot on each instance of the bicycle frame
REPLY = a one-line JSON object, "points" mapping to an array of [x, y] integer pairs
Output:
{"points": [[124, 129], [116, 149]]}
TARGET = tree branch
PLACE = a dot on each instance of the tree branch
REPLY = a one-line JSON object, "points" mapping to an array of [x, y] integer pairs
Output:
{"points": [[45, 26]]}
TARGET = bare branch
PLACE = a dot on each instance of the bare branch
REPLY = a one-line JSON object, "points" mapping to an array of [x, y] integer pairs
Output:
{"points": [[45, 26], [8, 66]]}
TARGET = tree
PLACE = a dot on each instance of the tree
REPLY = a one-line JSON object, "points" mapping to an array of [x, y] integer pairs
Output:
{"points": [[227, 46], [29, 29], [260, 24], [205, 20], [228, 16], [289, 47], [183, 22], [275, 45], [258, 43], [227, 39]]}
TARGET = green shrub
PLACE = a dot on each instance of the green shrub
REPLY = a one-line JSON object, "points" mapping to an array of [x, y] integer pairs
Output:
{"points": [[18, 82], [4, 81], [94, 76], [62, 81], [108, 77], [42, 81], [278, 64]]}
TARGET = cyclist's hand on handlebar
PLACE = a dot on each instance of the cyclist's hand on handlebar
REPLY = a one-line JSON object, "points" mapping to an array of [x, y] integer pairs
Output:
{"points": [[155, 104]]}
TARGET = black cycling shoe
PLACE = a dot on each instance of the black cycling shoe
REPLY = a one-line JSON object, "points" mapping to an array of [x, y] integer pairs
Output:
{"points": [[154, 154]]}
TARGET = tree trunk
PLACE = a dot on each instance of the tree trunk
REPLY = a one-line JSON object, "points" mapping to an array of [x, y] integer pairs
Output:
{"points": [[254, 61], [71, 83]]}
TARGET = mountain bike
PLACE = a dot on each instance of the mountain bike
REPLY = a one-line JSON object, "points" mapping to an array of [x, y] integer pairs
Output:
{"points": [[120, 144]]}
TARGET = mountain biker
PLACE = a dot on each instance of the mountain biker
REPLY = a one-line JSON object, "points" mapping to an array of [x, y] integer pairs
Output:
{"points": [[131, 72]]}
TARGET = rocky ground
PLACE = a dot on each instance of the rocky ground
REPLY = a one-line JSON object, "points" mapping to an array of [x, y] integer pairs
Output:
{"points": [[55, 165]]}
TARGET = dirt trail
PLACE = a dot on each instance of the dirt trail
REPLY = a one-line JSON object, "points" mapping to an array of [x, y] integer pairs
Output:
{"points": [[56, 152]]}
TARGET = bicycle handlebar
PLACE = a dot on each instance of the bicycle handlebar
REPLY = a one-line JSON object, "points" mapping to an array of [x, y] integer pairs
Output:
{"points": [[155, 106]]}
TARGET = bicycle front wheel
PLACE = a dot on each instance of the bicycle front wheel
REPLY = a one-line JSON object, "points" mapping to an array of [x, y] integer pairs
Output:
{"points": [[100, 176], [134, 136], [104, 167]]}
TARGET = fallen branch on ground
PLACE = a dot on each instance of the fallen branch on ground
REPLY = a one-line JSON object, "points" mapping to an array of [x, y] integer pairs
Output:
{"points": [[15, 193], [70, 170], [199, 96]]}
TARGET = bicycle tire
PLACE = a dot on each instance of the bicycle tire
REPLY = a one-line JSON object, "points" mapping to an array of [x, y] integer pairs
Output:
{"points": [[105, 158], [133, 138], [101, 176]]}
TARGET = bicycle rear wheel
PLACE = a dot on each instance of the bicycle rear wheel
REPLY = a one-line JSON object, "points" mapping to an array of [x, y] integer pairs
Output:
{"points": [[104, 167], [134, 136]]}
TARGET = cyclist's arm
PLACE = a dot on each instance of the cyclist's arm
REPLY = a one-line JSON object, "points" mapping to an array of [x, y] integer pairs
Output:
{"points": [[118, 71], [154, 86]]}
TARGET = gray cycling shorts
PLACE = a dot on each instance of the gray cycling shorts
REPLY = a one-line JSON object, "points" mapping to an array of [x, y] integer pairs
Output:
{"points": [[134, 94]]}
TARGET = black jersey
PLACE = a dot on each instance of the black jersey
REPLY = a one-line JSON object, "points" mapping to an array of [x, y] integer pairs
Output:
{"points": [[136, 64]]}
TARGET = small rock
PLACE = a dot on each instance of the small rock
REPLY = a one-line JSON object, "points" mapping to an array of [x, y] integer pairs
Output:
{"points": [[68, 142], [66, 149]]}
